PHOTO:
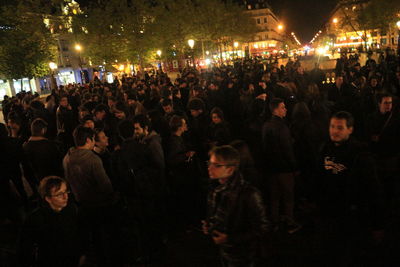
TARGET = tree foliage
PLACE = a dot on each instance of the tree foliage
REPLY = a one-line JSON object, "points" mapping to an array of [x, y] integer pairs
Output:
{"points": [[379, 14], [26, 46], [133, 30]]}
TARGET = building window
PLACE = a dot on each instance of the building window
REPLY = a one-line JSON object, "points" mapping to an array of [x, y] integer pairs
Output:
{"points": [[383, 41], [258, 21], [265, 20]]}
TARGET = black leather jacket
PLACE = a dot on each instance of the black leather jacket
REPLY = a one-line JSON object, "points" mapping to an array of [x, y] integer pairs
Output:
{"points": [[237, 209]]}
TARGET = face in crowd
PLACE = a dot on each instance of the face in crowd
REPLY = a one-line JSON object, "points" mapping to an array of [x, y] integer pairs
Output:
{"points": [[339, 132], [386, 105], [102, 140], [58, 199], [218, 169], [281, 110], [215, 118], [139, 131]]}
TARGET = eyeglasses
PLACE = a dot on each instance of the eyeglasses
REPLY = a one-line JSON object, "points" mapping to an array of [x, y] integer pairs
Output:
{"points": [[61, 194], [218, 165]]}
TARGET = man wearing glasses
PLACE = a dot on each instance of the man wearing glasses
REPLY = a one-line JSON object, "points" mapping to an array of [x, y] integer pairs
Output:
{"points": [[50, 235], [236, 217]]}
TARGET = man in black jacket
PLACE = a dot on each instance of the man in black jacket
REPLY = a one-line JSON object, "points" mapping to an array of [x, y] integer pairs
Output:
{"points": [[280, 164], [236, 217], [50, 235], [43, 156], [348, 194]]}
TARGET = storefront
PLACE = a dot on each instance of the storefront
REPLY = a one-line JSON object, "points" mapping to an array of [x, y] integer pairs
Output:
{"points": [[66, 76]]}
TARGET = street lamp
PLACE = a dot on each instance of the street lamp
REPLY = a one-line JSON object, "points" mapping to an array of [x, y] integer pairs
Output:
{"points": [[398, 38], [53, 67], [191, 45], [78, 48], [159, 52], [280, 27], [335, 20], [236, 45]]}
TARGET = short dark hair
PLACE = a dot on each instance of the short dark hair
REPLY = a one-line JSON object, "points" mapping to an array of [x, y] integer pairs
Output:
{"points": [[126, 129], [226, 154], [142, 120], [48, 183], [166, 102], [122, 107], [100, 107], [274, 103], [344, 115], [37, 127], [15, 118], [175, 123], [81, 134]]}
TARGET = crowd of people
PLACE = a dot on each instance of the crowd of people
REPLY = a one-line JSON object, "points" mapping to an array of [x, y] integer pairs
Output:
{"points": [[115, 170]]}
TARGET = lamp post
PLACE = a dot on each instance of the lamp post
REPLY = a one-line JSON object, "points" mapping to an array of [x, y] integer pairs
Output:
{"points": [[78, 48], [398, 38], [191, 45], [159, 52], [53, 83], [236, 45]]}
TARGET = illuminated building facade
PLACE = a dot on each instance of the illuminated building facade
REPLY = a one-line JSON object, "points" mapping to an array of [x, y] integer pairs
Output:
{"points": [[346, 31], [270, 34]]}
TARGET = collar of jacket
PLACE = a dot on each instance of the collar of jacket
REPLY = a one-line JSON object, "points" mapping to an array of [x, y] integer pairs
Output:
{"points": [[234, 182]]}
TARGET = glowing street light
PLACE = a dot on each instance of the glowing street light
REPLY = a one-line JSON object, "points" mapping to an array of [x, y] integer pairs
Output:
{"points": [[398, 40], [236, 45], [335, 20], [191, 43], [52, 66], [78, 47], [159, 57], [53, 83], [280, 27]]}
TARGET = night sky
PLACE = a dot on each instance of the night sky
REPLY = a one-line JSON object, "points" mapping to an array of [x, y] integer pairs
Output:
{"points": [[304, 17]]}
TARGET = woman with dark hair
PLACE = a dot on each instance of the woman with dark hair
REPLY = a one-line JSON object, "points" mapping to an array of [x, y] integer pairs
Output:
{"points": [[18, 128], [219, 130]]}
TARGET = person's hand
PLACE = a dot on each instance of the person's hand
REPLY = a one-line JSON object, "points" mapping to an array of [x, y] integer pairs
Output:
{"points": [[378, 236], [219, 238], [69, 107], [205, 227]]}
